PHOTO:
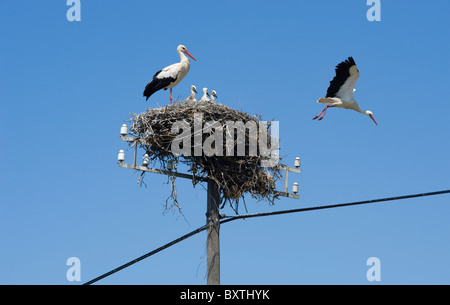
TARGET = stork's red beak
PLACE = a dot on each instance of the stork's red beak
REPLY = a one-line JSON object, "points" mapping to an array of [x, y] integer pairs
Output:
{"points": [[371, 116], [190, 55]]}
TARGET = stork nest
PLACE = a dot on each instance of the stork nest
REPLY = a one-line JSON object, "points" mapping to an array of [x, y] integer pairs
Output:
{"points": [[234, 173]]}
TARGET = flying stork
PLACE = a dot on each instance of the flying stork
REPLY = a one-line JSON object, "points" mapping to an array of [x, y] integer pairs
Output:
{"points": [[170, 76], [191, 97], [340, 91]]}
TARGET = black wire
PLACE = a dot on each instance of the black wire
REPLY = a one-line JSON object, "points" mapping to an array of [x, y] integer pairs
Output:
{"points": [[231, 218], [147, 255]]}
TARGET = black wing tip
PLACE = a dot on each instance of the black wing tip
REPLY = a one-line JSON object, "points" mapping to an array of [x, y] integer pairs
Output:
{"points": [[346, 64], [349, 60]]}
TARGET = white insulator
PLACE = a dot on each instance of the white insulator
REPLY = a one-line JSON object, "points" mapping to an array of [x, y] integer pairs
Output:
{"points": [[297, 162], [124, 130], [295, 188], [146, 160], [121, 156]]}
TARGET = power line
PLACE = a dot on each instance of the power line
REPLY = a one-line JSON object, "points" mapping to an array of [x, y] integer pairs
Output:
{"points": [[147, 255], [231, 218]]}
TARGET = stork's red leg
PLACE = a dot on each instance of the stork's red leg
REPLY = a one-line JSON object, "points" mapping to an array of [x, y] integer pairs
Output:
{"points": [[319, 114], [325, 111], [322, 114], [171, 96]]}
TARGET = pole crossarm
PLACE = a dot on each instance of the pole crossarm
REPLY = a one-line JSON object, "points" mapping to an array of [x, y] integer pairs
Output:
{"points": [[187, 176], [286, 180], [128, 139], [290, 169], [160, 171], [289, 195]]}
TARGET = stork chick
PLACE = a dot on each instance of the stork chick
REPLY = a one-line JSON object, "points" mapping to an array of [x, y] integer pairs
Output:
{"points": [[191, 97], [205, 97], [213, 96]]}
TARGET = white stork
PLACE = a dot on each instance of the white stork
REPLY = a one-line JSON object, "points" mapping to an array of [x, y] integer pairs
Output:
{"points": [[340, 91], [213, 95], [170, 76], [205, 97], [191, 97]]}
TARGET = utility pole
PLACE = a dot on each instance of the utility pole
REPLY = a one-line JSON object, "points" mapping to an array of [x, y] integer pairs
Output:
{"points": [[212, 229], [212, 202]]}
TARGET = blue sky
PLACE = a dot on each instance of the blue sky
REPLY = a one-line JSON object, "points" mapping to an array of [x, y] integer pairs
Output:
{"points": [[67, 87]]}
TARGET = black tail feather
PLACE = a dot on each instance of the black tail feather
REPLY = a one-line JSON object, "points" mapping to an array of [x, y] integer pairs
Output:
{"points": [[152, 87]]}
